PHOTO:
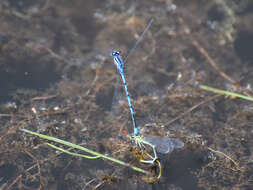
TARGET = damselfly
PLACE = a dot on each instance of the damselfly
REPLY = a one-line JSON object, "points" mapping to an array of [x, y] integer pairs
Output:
{"points": [[120, 66], [162, 145]]}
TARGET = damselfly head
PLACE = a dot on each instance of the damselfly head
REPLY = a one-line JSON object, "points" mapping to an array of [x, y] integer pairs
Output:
{"points": [[115, 53]]}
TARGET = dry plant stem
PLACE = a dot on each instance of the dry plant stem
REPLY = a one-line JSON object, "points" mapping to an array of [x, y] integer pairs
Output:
{"points": [[5, 115], [10, 131], [27, 170], [215, 66], [226, 156], [233, 117], [37, 164], [99, 185], [88, 183], [212, 62], [17, 178], [192, 108], [43, 97], [29, 15]]}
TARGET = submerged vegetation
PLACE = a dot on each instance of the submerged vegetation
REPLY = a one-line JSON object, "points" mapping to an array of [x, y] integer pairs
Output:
{"points": [[58, 82]]}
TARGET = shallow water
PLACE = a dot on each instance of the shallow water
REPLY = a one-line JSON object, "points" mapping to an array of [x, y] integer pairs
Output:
{"points": [[57, 79]]}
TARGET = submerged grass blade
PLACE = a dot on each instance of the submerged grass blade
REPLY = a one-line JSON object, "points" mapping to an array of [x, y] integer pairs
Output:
{"points": [[96, 154], [72, 153], [228, 93]]}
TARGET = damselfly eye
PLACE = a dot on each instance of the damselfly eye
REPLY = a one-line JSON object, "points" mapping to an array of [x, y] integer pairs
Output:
{"points": [[115, 53]]}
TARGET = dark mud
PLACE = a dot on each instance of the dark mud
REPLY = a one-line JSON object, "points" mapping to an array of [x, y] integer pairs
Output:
{"points": [[56, 78]]}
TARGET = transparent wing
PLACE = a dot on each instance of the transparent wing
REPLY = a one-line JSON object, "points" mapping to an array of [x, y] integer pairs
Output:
{"points": [[165, 145]]}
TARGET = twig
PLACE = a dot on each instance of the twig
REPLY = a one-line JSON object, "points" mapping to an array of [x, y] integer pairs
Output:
{"points": [[223, 154], [215, 66], [212, 62], [191, 109], [43, 97]]}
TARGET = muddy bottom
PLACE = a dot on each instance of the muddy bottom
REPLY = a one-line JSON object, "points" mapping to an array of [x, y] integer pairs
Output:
{"points": [[57, 78]]}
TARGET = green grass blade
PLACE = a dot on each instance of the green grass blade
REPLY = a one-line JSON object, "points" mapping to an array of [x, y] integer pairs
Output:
{"points": [[72, 153], [228, 93], [96, 154]]}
